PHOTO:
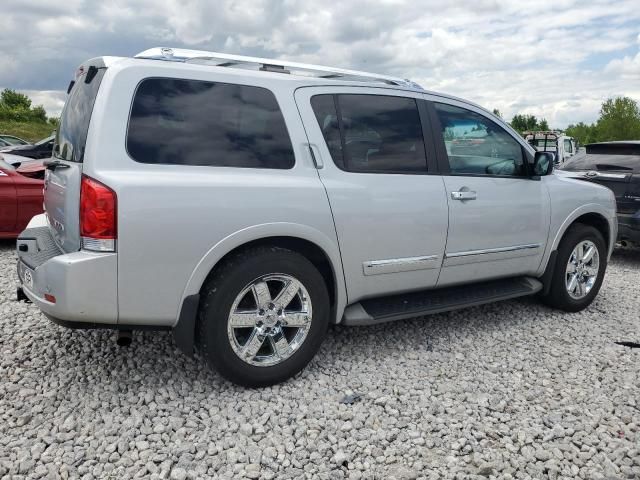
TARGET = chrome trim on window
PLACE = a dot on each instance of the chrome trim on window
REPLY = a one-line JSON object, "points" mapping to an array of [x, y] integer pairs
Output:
{"points": [[492, 250], [395, 265]]}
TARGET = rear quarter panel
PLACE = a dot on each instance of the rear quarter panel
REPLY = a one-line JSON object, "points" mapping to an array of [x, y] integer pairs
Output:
{"points": [[176, 222]]}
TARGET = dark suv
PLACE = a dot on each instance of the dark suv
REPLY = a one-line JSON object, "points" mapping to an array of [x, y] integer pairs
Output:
{"points": [[615, 165]]}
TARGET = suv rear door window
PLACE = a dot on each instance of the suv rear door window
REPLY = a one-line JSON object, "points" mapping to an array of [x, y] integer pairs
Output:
{"points": [[478, 146], [71, 136], [191, 122], [372, 133]]}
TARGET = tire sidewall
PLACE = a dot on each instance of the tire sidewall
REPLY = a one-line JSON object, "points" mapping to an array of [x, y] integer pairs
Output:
{"points": [[572, 239], [221, 296]]}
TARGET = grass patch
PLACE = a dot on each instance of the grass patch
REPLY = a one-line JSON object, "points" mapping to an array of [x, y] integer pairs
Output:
{"points": [[30, 131]]}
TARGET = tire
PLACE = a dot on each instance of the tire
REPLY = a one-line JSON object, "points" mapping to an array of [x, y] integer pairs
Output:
{"points": [[559, 295], [229, 348]]}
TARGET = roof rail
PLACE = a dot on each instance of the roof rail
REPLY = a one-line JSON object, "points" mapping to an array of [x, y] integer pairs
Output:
{"points": [[264, 64]]}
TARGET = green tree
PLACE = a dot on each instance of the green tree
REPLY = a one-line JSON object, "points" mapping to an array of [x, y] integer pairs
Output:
{"points": [[522, 123], [619, 120], [583, 133], [16, 107], [543, 124], [39, 113], [497, 113], [12, 100]]}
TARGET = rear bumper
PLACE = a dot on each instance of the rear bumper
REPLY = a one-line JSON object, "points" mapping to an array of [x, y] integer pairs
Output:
{"points": [[83, 284], [629, 226]]}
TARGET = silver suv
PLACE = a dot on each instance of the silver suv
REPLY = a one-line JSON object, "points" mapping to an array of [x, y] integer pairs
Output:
{"points": [[247, 204]]}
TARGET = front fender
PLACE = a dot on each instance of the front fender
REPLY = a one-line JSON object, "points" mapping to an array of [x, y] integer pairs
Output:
{"points": [[583, 210], [260, 232]]}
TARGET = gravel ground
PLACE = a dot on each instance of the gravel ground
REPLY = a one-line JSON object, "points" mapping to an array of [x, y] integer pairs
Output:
{"points": [[511, 390]]}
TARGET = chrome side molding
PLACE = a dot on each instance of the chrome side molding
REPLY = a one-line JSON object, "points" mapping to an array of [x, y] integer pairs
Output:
{"points": [[395, 265], [513, 248]]}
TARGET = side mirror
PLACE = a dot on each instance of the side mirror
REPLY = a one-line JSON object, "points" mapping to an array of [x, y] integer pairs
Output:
{"points": [[543, 163]]}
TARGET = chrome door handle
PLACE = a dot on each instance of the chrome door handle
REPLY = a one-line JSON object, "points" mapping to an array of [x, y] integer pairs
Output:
{"points": [[464, 195]]}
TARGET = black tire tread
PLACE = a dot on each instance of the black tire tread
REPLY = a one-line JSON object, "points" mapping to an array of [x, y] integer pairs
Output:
{"points": [[217, 281], [558, 296]]}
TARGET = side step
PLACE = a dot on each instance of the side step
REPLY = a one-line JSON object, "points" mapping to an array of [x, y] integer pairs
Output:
{"points": [[397, 307]]}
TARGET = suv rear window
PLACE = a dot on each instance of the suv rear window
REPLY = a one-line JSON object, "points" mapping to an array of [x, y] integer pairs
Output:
{"points": [[71, 136], [192, 122]]}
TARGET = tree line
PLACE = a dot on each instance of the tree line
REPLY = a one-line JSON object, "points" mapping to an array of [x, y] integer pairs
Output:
{"points": [[16, 107], [619, 120]]}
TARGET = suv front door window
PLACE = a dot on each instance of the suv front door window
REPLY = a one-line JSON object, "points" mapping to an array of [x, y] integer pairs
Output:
{"points": [[477, 145]]}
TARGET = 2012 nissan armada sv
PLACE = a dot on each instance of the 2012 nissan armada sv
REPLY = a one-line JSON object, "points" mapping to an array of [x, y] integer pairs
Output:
{"points": [[248, 203]]}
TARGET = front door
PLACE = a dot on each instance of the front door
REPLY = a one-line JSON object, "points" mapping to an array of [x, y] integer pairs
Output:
{"points": [[498, 215], [390, 212]]}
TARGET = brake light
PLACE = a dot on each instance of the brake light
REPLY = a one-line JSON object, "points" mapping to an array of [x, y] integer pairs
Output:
{"points": [[98, 216]]}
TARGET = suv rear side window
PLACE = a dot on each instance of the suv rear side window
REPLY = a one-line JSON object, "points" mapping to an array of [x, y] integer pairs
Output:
{"points": [[372, 133], [478, 146], [71, 136], [191, 122]]}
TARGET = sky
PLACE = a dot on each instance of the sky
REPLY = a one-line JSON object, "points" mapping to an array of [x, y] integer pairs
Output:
{"points": [[555, 59]]}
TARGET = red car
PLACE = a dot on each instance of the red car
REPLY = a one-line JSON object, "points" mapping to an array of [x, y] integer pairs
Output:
{"points": [[20, 196]]}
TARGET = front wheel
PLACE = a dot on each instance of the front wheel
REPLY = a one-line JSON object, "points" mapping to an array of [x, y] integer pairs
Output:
{"points": [[263, 316], [580, 268]]}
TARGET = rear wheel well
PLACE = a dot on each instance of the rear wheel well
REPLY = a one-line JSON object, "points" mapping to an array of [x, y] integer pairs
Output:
{"points": [[308, 249]]}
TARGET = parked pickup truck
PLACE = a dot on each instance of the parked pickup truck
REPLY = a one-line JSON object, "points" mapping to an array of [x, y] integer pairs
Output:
{"points": [[556, 142], [247, 203]]}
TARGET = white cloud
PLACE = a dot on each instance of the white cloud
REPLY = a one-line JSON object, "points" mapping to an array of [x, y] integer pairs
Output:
{"points": [[559, 60]]}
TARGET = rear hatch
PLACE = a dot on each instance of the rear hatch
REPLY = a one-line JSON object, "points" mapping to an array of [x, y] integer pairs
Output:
{"points": [[64, 169], [614, 165]]}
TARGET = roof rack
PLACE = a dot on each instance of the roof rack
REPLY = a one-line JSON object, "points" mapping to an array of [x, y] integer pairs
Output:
{"points": [[264, 64]]}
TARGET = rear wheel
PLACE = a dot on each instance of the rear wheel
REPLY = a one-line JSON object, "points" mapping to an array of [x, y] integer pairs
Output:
{"points": [[263, 316], [580, 268]]}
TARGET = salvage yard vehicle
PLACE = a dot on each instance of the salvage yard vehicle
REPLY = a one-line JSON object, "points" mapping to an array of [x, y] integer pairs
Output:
{"points": [[9, 140], [248, 203], [615, 165], [38, 150], [556, 142], [20, 199]]}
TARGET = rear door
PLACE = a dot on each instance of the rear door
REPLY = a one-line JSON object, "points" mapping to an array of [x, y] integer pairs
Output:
{"points": [[8, 203], [62, 179], [379, 173]]}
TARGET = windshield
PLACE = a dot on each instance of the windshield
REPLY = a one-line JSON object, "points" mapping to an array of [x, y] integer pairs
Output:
{"points": [[74, 122], [9, 140], [550, 142]]}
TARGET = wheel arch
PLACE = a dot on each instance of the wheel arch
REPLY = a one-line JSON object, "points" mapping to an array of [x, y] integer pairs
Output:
{"points": [[594, 215], [313, 244]]}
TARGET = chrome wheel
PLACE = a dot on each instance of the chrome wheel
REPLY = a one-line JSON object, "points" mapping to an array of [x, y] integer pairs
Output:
{"points": [[269, 319], [582, 269]]}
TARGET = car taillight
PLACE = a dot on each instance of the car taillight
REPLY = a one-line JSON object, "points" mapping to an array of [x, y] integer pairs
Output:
{"points": [[98, 216]]}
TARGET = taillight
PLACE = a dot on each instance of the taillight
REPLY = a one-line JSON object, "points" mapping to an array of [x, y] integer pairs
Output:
{"points": [[98, 216]]}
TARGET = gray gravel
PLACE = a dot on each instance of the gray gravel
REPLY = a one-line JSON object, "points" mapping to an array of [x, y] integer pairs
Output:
{"points": [[511, 390]]}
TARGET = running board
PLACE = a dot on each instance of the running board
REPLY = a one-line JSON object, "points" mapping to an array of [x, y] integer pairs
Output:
{"points": [[415, 304]]}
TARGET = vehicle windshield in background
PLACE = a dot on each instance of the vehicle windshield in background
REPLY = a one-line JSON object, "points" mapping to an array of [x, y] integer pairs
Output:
{"points": [[10, 140], [541, 143], [74, 122]]}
